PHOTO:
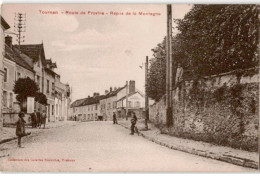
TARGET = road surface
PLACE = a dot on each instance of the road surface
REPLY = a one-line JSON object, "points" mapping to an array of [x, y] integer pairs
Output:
{"points": [[101, 147]]}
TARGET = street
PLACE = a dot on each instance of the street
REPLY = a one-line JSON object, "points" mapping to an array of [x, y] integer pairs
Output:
{"points": [[101, 147]]}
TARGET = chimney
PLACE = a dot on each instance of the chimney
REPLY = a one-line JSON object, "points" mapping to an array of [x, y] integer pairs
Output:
{"points": [[111, 89], [8, 40], [131, 86], [106, 92]]}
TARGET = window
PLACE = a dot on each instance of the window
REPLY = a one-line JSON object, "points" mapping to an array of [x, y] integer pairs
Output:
{"points": [[5, 99], [38, 80], [137, 104], [48, 85], [6, 74], [129, 104], [11, 100], [52, 86], [18, 75], [52, 109], [114, 104]]}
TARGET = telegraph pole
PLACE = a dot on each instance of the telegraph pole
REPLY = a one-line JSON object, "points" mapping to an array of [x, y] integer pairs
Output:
{"points": [[146, 95], [169, 67], [20, 27]]}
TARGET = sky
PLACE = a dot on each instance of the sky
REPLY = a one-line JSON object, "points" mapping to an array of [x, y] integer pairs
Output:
{"points": [[95, 52]]}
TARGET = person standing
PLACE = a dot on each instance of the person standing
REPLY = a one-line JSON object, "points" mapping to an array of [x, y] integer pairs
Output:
{"points": [[20, 128], [114, 118], [38, 120], [43, 119], [34, 119], [133, 123]]}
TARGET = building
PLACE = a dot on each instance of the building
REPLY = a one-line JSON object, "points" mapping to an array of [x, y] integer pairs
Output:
{"points": [[133, 102], [49, 89], [109, 102], [87, 109], [62, 99], [4, 27], [57, 93], [15, 67]]}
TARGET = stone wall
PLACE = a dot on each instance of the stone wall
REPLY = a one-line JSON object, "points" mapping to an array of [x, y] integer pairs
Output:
{"points": [[157, 112], [221, 109]]}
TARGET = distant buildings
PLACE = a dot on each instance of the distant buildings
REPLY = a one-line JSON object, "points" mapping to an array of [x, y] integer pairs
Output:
{"points": [[113, 101], [29, 61]]}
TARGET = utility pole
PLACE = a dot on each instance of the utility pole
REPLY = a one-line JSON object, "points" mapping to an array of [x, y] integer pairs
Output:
{"points": [[169, 67], [146, 95], [20, 27]]}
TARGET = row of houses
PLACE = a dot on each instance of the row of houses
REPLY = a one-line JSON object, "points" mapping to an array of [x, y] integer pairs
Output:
{"points": [[29, 61], [122, 101]]}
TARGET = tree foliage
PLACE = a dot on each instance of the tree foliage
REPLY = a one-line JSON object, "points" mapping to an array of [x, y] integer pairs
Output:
{"points": [[41, 98], [25, 87], [212, 39]]}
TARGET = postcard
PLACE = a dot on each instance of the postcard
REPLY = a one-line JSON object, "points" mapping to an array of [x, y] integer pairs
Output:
{"points": [[129, 88]]}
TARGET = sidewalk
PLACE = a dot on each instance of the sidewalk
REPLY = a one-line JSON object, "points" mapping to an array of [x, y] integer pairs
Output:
{"points": [[8, 133], [226, 154]]}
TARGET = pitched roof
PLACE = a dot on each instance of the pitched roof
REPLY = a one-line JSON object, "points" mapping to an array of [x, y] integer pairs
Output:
{"points": [[14, 56], [113, 93], [87, 101], [130, 94], [77, 103], [4, 23], [32, 50]]}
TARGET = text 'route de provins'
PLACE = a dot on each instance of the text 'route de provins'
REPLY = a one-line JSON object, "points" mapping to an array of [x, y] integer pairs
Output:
{"points": [[113, 13]]}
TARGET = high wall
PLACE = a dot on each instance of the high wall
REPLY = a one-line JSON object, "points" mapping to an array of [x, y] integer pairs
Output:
{"points": [[220, 109]]}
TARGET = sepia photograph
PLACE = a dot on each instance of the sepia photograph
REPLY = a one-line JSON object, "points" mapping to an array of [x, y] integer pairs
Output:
{"points": [[136, 88]]}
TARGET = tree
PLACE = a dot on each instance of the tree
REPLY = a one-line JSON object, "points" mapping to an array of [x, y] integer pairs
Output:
{"points": [[212, 39], [25, 87], [41, 98], [157, 74], [220, 38]]}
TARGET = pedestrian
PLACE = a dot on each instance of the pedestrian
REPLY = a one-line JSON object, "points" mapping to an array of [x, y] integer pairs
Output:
{"points": [[33, 118], [20, 128], [133, 123], [38, 120], [114, 118], [43, 119]]}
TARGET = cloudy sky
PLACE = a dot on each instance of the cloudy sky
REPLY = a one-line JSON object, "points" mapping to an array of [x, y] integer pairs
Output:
{"points": [[94, 52]]}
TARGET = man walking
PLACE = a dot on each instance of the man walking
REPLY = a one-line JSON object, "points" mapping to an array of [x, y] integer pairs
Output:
{"points": [[114, 118], [133, 123]]}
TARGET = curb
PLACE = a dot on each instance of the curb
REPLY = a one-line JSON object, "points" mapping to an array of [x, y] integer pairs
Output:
{"points": [[225, 158], [13, 138], [7, 140]]}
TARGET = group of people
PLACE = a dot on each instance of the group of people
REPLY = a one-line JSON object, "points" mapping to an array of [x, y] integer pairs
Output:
{"points": [[38, 119], [133, 123]]}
